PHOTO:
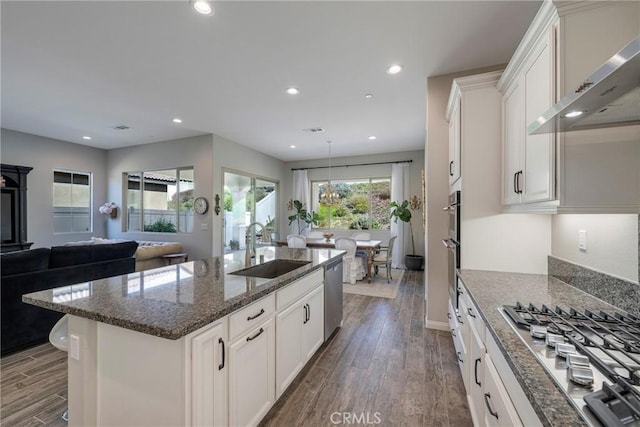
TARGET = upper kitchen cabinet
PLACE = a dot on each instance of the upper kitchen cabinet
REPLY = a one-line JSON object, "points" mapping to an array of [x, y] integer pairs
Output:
{"points": [[454, 141], [587, 171]]}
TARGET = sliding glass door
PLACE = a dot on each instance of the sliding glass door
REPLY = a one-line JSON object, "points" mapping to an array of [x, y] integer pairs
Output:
{"points": [[248, 199]]}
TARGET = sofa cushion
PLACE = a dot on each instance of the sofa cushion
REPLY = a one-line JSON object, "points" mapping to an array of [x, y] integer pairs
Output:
{"points": [[63, 256], [149, 250], [103, 252], [24, 261]]}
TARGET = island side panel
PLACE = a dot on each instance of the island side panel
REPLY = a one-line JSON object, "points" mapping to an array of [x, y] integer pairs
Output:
{"points": [[82, 378], [140, 378], [125, 377]]}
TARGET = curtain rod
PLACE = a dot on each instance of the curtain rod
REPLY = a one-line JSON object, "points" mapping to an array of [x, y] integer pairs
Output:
{"points": [[356, 164]]}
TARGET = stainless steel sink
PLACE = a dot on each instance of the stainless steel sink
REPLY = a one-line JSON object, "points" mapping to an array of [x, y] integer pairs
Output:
{"points": [[271, 269]]}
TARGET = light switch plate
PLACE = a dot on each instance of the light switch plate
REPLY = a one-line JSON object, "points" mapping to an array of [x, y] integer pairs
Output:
{"points": [[204, 226], [582, 240]]}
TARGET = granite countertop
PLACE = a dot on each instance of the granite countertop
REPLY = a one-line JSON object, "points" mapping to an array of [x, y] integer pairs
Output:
{"points": [[490, 290], [170, 302]]}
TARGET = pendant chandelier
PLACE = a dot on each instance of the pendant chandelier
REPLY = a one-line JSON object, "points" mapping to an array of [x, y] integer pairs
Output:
{"points": [[329, 197]]}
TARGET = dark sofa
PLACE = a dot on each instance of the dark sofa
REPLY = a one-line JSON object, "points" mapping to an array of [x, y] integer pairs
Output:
{"points": [[24, 325]]}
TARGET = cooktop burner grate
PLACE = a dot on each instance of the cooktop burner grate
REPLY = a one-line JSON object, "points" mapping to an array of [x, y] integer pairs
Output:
{"points": [[609, 342]]}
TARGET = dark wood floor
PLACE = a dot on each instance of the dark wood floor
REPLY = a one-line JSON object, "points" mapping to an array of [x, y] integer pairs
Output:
{"points": [[33, 387], [382, 368]]}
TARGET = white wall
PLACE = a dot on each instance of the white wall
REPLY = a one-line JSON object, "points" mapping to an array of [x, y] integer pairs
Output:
{"points": [[380, 170], [195, 151], [612, 243], [45, 155], [229, 155], [437, 184]]}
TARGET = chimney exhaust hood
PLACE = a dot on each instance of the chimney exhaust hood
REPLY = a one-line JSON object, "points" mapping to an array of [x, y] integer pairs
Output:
{"points": [[608, 97]]}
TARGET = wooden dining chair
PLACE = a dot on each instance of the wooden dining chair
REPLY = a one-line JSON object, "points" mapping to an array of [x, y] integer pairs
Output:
{"points": [[383, 259], [352, 268], [362, 254]]}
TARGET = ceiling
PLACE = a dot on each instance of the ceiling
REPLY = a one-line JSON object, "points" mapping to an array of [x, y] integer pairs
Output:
{"points": [[77, 68]]}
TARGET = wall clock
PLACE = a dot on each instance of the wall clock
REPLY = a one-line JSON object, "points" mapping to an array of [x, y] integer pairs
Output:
{"points": [[200, 205]]}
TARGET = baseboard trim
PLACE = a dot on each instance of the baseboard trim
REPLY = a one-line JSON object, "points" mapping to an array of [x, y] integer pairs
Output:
{"points": [[433, 324]]}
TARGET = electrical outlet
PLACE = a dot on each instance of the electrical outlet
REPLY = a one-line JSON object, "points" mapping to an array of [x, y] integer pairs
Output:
{"points": [[74, 347], [204, 226], [582, 240]]}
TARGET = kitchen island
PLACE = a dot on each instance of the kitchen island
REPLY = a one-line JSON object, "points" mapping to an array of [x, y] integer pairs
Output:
{"points": [[192, 343], [487, 292]]}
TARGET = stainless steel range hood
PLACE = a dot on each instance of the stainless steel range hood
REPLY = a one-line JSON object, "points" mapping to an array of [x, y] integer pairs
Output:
{"points": [[608, 97]]}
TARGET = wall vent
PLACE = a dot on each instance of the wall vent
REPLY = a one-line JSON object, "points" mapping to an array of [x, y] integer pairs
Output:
{"points": [[313, 130], [121, 127]]}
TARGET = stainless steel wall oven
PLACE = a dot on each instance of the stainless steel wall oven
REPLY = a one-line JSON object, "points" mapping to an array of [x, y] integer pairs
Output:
{"points": [[452, 243]]}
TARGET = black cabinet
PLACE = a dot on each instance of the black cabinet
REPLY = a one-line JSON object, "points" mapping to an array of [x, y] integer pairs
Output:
{"points": [[13, 208]]}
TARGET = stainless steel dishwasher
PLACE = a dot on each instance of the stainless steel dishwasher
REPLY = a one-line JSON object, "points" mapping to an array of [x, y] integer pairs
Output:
{"points": [[332, 297]]}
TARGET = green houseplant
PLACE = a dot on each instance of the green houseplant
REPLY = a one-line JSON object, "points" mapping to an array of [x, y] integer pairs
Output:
{"points": [[302, 217], [403, 213]]}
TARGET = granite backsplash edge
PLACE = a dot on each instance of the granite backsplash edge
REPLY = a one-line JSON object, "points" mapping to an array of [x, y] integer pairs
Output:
{"points": [[616, 291]]}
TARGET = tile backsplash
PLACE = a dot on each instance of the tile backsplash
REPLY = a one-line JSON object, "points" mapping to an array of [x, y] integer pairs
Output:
{"points": [[619, 292]]}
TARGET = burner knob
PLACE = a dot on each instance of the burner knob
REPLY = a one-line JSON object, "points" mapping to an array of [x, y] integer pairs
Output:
{"points": [[580, 375], [538, 331], [553, 339], [563, 350]]}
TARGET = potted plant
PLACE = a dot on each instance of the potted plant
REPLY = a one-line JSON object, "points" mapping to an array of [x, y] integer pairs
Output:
{"points": [[302, 217], [401, 212]]}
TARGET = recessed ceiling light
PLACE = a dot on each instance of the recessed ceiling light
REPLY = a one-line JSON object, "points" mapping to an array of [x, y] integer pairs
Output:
{"points": [[292, 146], [372, 137], [394, 69], [86, 137], [293, 91], [203, 7], [574, 114], [368, 96], [176, 120]]}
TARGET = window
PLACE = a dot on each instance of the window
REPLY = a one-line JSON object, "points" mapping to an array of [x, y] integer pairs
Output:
{"points": [[71, 202], [160, 201], [248, 199], [362, 204]]}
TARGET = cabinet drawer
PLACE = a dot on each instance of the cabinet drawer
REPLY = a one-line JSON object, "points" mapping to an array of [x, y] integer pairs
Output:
{"points": [[296, 290], [499, 411], [250, 316], [471, 312]]}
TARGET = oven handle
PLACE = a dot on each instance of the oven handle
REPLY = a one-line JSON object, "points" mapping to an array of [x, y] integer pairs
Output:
{"points": [[450, 208], [447, 244]]}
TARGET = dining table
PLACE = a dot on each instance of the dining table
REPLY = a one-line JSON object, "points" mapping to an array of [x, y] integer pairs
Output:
{"points": [[369, 246]]}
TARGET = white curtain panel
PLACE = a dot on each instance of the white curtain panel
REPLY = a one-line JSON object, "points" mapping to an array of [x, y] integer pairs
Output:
{"points": [[399, 193], [301, 192]]}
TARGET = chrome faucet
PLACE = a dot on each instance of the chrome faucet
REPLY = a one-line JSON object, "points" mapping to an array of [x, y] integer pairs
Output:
{"points": [[249, 243]]}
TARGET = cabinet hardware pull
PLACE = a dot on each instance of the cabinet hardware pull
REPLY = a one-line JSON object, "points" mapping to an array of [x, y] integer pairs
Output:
{"points": [[220, 366], [305, 314], [256, 316], [487, 396], [451, 168], [453, 333], [471, 312], [256, 335], [519, 175], [515, 182], [475, 371], [459, 358], [308, 312], [460, 319], [449, 315]]}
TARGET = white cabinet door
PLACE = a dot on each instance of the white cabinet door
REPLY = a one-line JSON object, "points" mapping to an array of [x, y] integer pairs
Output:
{"points": [[513, 140], [313, 334], [499, 411], [454, 144], [209, 376], [476, 376], [252, 375], [289, 355], [537, 180]]}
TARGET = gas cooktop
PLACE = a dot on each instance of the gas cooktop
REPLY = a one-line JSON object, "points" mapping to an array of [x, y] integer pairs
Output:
{"points": [[593, 357]]}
